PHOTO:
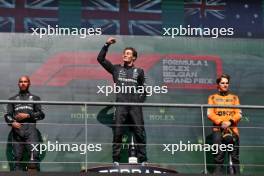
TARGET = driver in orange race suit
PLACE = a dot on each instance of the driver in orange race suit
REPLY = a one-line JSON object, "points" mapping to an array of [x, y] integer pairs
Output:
{"points": [[225, 121]]}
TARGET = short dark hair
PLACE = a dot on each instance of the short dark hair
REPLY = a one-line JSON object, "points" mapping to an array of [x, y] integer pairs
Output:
{"points": [[134, 51], [218, 80], [25, 76]]}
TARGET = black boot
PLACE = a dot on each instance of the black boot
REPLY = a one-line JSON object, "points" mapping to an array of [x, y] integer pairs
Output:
{"points": [[236, 169], [218, 170]]}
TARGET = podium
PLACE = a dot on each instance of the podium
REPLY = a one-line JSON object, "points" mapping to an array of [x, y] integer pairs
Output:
{"points": [[132, 169]]}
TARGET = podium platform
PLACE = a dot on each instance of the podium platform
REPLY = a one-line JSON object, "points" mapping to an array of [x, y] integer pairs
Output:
{"points": [[110, 169], [93, 174], [132, 169]]}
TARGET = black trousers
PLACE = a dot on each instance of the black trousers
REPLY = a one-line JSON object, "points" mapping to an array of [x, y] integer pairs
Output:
{"points": [[133, 115], [220, 156], [21, 143]]}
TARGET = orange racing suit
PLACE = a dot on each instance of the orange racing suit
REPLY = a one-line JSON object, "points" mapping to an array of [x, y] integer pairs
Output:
{"points": [[219, 115]]}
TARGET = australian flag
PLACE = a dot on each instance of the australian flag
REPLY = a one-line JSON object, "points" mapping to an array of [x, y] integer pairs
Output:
{"points": [[21, 15], [126, 17], [245, 17]]}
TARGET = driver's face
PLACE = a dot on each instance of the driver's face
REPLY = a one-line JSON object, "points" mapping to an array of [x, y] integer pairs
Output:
{"points": [[128, 56], [23, 83], [223, 85]]}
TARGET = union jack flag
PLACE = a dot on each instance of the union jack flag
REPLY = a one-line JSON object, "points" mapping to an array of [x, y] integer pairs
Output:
{"points": [[201, 13], [205, 7], [21, 15], [7, 24], [126, 17]]}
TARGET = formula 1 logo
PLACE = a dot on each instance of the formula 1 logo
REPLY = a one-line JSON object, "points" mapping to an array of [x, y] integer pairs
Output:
{"points": [[177, 71]]}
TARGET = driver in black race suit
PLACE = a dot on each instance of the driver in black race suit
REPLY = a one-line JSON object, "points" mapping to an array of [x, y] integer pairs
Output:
{"points": [[22, 118], [126, 75]]}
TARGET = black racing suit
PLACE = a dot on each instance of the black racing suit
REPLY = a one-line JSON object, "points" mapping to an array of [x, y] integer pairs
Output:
{"points": [[126, 76], [27, 134]]}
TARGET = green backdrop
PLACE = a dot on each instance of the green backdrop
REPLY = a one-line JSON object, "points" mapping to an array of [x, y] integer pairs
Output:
{"points": [[64, 68]]}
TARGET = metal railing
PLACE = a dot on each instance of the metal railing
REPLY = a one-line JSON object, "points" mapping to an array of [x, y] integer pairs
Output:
{"points": [[171, 105]]}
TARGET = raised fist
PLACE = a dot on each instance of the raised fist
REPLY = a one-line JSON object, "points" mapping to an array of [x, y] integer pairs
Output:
{"points": [[110, 40]]}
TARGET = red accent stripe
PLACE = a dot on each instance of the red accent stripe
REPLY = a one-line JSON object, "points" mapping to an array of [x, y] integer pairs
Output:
{"points": [[124, 10], [19, 18], [90, 14]]}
